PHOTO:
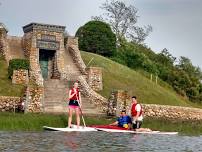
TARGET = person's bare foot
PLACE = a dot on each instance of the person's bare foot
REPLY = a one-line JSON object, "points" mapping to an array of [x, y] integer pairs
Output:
{"points": [[143, 130]]}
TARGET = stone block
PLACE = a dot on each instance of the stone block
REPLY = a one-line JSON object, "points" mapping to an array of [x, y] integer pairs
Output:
{"points": [[95, 78]]}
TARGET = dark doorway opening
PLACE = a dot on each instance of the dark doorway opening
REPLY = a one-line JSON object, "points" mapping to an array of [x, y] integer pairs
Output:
{"points": [[46, 61]]}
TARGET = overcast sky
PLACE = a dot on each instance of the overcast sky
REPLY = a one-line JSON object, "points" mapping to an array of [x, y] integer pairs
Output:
{"points": [[177, 24]]}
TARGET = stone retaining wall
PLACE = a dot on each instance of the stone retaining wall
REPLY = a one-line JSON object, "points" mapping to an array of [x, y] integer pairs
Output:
{"points": [[20, 77], [9, 103], [120, 100], [172, 112]]}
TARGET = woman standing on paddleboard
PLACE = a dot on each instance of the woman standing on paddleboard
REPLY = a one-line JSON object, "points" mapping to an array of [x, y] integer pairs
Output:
{"points": [[74, 103]]}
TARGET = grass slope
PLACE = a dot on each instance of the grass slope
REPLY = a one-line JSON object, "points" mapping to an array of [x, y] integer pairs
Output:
{"points": [[6, 86], [117, 76]]}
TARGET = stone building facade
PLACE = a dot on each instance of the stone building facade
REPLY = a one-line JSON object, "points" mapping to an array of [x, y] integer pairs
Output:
{"points": [[44, 47], [52, 57]]}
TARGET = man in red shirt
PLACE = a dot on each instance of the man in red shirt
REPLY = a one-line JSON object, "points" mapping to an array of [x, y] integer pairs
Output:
{"points": [[137, 115]]}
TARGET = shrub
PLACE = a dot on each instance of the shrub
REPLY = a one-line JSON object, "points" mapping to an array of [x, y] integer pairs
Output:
{"points": [[16, 64], [97, 37]]}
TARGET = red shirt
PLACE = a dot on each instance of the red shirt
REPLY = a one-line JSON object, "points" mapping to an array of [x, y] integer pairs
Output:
{"points": [[76, 96], [134, 111]]}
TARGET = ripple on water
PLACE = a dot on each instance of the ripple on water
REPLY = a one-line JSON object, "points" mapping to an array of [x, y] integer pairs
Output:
{"points": [[95, 141]]}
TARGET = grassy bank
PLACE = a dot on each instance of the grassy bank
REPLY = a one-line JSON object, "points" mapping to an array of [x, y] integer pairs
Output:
{"points": [[35, 122], [183, 127], [6, 86], [117, 76]]}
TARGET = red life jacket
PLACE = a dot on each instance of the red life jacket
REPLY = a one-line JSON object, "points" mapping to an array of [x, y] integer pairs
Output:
{"points": [[134, 112], [76, 96]]}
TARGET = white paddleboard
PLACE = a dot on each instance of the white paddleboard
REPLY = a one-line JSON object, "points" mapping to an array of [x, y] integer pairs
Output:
{"points": [[137, 132], [80, 129], [87, 129]]}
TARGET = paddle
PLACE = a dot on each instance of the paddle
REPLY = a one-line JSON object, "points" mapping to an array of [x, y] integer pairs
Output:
{"points": [[81, 112]]}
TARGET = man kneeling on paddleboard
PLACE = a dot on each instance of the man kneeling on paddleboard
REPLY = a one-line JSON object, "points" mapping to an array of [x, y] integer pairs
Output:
{"points": [[137, 115], [123, 120]]}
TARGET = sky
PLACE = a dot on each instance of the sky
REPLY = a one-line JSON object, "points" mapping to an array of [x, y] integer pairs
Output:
{"points": [[177, 24]]}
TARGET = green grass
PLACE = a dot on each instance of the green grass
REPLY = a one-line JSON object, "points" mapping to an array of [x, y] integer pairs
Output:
{"points": [[183, 127], [35, 122], [117, 76], [6, 86]]}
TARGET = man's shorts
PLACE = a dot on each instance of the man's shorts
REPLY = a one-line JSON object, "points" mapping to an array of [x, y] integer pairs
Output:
{"points": [[137, 125]]}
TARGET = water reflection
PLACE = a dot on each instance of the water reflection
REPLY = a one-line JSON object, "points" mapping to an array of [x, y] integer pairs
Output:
{"points": [[95, 141]]}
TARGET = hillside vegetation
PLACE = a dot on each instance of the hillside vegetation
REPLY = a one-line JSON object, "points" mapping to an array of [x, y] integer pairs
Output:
{"points": [[6, 86], [117, 76]]}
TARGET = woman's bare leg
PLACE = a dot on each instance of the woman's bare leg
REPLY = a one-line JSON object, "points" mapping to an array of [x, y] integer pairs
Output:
{"points": [[77, 117], [70, 117]]}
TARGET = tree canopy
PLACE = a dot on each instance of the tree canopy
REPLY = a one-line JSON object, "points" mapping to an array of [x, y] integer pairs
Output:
{"points": [[123, 21], [97, 37]]}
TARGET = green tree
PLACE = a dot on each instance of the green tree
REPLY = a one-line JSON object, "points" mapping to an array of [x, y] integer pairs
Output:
{"points": [[97, 37], [165, 58], [123, 21]]}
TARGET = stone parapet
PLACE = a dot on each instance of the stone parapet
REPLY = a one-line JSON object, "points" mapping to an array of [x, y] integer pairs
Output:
{"points": [[34, 99], [9, 103], [94, 77], [20, 77], [4, 49], [94, 97], [72, 46]]}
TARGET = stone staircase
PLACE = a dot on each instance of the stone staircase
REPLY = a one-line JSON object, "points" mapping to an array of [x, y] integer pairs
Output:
{"points": [[56, 98], [55, 95], [70, 66], [56, 92]]}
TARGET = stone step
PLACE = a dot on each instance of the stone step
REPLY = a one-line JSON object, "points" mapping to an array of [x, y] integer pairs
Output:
{"points": [[54, 99], [54, 102], [55, 110], [58, 86], [54, 94]]}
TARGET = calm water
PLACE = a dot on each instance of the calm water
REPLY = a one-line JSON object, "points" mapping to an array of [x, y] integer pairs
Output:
{"points": [[95, 142]]}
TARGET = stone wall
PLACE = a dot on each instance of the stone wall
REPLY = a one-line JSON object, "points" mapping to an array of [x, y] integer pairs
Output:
{"points": [[94, 97], [172, 112], [32, 53], [9, 103], [94, 78], [4, 44], [120, 100], [20, 77], [72, 46], [34, 99], [15, 47]]}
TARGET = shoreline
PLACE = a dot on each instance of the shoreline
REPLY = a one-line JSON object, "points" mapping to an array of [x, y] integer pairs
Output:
{"points": [[35, 122]]}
